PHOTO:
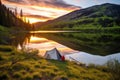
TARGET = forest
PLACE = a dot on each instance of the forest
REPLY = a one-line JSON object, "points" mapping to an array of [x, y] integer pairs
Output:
{"points": [[12, 22]]}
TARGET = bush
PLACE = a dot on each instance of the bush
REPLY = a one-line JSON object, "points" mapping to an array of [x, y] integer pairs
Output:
{"points": [[4, 77], [17, 75], [6, 48], [36, 77], [28, 78], [63, 78], [114, 68], [37, 66], [18, 67], [1, 58]]}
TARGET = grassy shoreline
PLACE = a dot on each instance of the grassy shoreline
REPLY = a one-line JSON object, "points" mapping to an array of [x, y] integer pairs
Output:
{"points": [[23, 65], [87, 29]]}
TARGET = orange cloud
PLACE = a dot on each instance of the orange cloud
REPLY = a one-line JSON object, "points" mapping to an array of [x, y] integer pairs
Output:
{"points": [[41, 10]]}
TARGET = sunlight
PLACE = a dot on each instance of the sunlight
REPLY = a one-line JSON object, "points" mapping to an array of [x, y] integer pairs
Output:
{"points": [[34, 20], [45, 11], [36, 39], [51, 9], [52, 12], [43, 45]]}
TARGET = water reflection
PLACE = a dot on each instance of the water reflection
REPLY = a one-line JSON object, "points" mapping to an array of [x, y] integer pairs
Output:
{"points": [[43, 44], [20, 39], [93, 59], [94, 43], [94, 48]]}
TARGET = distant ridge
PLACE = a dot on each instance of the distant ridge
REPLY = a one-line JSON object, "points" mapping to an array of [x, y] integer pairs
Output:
{"points": [[106, 11]]}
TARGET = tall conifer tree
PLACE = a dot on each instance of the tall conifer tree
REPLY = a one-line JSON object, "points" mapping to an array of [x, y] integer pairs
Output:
{"points": [[0, 2], [15, 11], [21, 13]]}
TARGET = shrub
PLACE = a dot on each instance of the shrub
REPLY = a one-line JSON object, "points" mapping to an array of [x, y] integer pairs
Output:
{"points": [[114, 68], [6, 48], [23, 72], [18, 67], [37, 66], [28, 78], [63, 78], [36, 77], [4, 77], [1, 58], [17, 75]]}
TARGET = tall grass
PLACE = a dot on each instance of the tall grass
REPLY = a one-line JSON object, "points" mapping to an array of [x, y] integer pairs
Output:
{"points": [[114, 68], [6, 48], [29, 66]]}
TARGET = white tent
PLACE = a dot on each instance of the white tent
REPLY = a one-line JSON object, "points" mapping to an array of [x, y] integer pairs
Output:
{"points": [[53, 54]]}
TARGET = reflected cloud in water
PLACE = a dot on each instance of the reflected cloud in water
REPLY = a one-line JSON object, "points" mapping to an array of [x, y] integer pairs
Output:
{"points": [[43, 44], [93, 59], [84, 47]]}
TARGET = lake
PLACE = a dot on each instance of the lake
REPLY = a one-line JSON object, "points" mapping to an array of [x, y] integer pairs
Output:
{"points": [[88, 48]]}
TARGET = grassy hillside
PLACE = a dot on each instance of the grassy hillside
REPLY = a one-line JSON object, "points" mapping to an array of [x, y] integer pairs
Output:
{"points": [[4, 35], [19, 65], [95, 17]]}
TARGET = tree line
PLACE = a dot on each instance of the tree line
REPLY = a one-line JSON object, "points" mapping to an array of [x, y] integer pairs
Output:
{"points": [[9, 18]]}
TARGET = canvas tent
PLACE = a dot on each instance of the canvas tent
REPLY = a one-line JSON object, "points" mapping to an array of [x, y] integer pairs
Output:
{"points": [[53, 54]]}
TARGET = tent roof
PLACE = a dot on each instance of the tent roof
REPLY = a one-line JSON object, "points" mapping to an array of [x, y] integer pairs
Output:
{"points": [[54, 54], [53, 50]]}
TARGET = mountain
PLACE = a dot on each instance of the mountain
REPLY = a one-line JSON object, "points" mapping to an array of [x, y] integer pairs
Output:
{"points": [[105, 15]]}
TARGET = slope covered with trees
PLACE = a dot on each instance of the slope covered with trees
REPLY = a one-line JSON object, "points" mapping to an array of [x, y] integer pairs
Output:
{"points": [[11, 23], [105, 15], [9, 18]]}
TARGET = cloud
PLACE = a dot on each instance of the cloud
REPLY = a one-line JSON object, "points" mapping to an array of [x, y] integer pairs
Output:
{"points": [[45, 3], [48, 8], [37, 16]]}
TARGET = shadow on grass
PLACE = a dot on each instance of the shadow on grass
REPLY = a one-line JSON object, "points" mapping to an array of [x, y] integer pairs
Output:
{"points": [[62, 65]]}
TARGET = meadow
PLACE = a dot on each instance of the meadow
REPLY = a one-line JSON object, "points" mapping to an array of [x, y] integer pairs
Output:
{"points": [[21, 65]]}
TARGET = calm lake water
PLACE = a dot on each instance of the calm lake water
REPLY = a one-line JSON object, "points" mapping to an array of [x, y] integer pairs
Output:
{"points": [[96, 48]]}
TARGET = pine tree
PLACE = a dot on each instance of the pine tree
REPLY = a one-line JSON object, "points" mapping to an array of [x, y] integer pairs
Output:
{"points": [[21, 13], [33, 27], [9, 18], [25, 20], [28, 21], [0, 2], [15, 11]]}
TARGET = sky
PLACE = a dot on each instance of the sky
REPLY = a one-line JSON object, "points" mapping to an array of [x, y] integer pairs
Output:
{"points": [[43, 10]]}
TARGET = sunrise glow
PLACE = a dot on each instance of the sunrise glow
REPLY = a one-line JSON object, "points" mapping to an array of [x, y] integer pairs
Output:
{"points": [[57, 10], [36, 39], [43, 45], [43, 10], [39, 10], [34, 20]]}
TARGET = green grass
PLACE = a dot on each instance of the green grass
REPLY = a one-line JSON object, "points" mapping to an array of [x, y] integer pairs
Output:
{"points": [[2, 28], [28, 66], [6, 48], [114, 68], [99, 24], [4, 35]]}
